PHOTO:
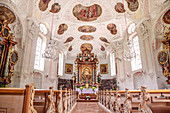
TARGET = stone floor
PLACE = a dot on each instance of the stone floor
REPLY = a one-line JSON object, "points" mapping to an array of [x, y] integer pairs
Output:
{"points": [[88, 107]]}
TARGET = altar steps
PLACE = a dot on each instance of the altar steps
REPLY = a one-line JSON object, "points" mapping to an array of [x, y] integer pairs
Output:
{"points": [[83, 100]]}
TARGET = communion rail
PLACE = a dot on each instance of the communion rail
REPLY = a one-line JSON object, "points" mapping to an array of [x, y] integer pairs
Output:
{"points": [[136, 101], [30, 100]]}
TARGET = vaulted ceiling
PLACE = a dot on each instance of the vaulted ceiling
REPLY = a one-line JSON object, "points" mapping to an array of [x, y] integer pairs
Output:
{"points": [[102, 23]]}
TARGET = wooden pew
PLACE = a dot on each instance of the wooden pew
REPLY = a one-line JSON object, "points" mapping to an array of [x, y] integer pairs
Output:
{"points": [[17, 100], [158, 101]]}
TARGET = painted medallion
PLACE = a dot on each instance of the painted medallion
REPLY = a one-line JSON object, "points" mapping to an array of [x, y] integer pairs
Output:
{"points": [[6, 14], [163, 57], [62, 28], [102, 48], [70, 48], [87, 37], [119, 7], [55, 8], [43, 4], [166, 17], [132, 5], [87, 13], [86, 47], [104, 39], [69, 39], [112, 28], [87, 29]]}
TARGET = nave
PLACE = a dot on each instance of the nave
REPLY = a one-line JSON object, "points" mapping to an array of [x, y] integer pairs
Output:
{"points": [[88, 107]]}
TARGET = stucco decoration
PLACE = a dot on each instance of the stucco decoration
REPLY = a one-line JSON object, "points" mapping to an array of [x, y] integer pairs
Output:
{"points": [[55, 8], [87, 13], [119, 7], [166, 17], [87, 29], [104, 39], [6, 14], [86, 47], [70, 48], [102, 48], [112, 28], [87, 37], [69, 39], [62, 29], [43, 4], [132, 5]]}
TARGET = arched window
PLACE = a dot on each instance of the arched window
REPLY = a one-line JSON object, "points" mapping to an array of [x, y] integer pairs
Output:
{"points": [[40, 47], [136, 61]]}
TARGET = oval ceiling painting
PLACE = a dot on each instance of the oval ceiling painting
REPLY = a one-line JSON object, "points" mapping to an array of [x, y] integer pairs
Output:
{"points": [[87, 13], [43, 4], [112, 28], [69, 39], [87, 37], [87, 29], [132, 4], [6, 14], [55, 8], [62, 28], [103, 39], [86, 47], [70, 48], [166, 17], [102, 48], [119, 7]]}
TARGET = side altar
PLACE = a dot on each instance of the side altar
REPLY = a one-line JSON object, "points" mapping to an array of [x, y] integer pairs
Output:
{"points": [[86, 63]]}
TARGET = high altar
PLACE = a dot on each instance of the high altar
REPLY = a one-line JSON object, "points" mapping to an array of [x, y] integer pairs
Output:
{"points": [[86, 64]]}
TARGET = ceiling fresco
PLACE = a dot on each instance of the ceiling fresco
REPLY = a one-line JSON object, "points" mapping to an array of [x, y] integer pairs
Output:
{"points": [[87, 29], [6, 14], [112, 28], [69, 39], [119, 7], [87, 13], [87, 37], [132, 5], [86, 47], [104, 39], [102, 48], [166, 17], [43, 4], [70, 48], [55, 8], [62, 28]]}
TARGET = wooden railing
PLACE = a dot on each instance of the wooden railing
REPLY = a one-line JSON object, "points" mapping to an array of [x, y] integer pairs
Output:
{"points": [[61, 101], [30, 100], [144, 101]]}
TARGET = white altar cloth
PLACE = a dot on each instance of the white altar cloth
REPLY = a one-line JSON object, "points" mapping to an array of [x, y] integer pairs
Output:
{"points": [[87, 91]]}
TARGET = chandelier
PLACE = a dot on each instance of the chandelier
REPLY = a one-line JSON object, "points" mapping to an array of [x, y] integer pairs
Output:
{"points": [[51, 50], [130, 53]]}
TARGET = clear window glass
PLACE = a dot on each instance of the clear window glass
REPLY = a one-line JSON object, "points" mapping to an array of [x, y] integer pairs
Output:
{"points": [[136, 61], [112, 64], [43, 28]]}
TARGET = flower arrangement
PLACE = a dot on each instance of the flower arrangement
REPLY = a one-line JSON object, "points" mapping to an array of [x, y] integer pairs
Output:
{"points": [[87, 97], [3, 84], [93, 86], [80, 86]]}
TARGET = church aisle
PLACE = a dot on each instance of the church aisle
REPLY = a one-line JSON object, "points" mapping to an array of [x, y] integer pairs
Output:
{"points": [[88, 107]]}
